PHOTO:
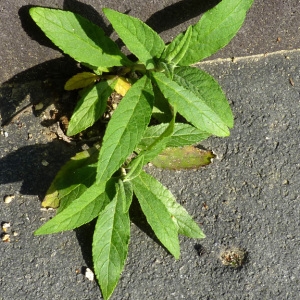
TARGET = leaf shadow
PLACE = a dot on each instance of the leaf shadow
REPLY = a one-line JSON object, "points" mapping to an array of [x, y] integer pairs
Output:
{"points": [[87, 11], [84, 235], [178, 13], [139, 219], [41, 83], [25, 164]]}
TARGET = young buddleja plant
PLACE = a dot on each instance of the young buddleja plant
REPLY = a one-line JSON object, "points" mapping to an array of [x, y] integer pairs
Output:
{"points": [[101, 182]]}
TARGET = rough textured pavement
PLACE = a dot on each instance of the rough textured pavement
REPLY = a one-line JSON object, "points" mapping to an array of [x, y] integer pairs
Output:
{"points": [[248, 197]]}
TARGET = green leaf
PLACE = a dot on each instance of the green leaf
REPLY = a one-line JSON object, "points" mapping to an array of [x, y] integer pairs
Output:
{"points": [[157, 215], [81, 80], [190, 106], [110, 245], [167, 68], [206, 88], [183, 135], [91, 106], [135, 168], [214, 30], [78, 182], [174, 52], [162, 110], [79, 38], [82, 210], [183, 158], [72, 180], [126, 191], [183, 221], [160, 143], [126, 128], [138, 37]]}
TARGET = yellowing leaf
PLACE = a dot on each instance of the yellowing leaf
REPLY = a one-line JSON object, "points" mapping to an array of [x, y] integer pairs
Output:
{"points": [[62, 184], [182, 158], [122, 86], [51, 199], [81, 80]]}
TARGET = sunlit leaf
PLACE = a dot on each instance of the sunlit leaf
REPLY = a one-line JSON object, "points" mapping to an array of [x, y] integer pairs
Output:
{"points": [[110, 244], [207, 88], [79, 38], [138, 37], [157, 215], [126, 190], [159, 143], [174, 52], [126, 128], [82, 210], [215, 30], [182, 220], [191, 106], [91, 106], [183, 135], [135, 168]]}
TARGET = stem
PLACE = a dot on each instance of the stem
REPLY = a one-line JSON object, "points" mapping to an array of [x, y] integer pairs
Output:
{"points": [[140, 68]]}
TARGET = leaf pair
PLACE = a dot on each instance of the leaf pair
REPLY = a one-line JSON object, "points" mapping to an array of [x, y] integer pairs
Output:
{"points": [[166, 217]]}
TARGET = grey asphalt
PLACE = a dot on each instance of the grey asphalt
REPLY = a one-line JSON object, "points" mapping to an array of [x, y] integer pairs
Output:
{"points": [[247, 198]]}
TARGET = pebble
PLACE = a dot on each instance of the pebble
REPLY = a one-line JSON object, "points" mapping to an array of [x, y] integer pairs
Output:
{"points": [[45, 163], [8, 198], [5, 238], [89, 274], [5, 226]]}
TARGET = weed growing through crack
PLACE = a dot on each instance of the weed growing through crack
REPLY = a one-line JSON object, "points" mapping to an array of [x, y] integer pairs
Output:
{"points": [[159, 85]]}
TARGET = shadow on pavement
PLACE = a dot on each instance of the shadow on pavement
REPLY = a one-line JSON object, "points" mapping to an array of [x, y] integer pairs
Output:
{"points": [[178, 13], [25, 164]]}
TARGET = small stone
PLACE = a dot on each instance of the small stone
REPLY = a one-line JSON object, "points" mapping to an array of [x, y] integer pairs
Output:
{"points": [[46, 208], [5, 238], [45, 163], [89, 274], [8, 198], [5, 226]]}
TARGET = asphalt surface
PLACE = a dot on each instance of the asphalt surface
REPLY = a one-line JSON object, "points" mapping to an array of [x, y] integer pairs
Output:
{"points": [[248, 197]]}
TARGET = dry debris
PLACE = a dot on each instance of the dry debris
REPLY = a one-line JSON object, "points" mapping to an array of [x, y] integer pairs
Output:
{"points": [[5, 238], [233, 257]]}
